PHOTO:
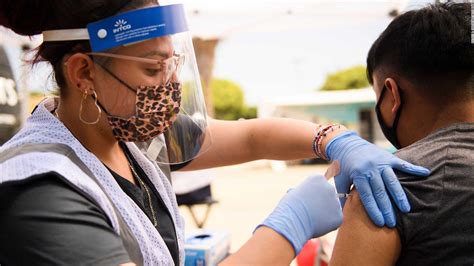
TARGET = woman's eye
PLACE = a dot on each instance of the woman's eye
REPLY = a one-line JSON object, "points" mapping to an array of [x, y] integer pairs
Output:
{"points": [[152, 71]]}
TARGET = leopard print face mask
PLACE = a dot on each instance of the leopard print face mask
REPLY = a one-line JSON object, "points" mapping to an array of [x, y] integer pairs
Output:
{"points": [[157, 107]]}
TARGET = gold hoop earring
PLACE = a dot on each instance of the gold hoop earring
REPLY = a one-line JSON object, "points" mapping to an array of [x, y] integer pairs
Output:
{"points": [[84, 96]]}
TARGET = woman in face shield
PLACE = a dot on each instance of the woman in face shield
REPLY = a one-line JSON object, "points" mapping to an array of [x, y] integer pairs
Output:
{"points": [[79, 183]]}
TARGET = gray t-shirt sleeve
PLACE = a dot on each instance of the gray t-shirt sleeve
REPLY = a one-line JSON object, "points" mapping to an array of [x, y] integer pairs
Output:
{"points": [[424, 195], [45, 221], [438, 230]]}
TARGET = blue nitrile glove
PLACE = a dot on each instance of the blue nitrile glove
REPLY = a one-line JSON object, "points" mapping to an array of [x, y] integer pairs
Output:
{"points": [[370, 169], [307, 211]]}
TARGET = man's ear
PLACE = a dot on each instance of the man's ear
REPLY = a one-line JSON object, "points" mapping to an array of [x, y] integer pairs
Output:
{"points": [[393, 93], [80, 72]]}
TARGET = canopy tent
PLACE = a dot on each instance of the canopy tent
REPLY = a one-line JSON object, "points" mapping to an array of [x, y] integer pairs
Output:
{"points": [[7, 37], [214, 19]]}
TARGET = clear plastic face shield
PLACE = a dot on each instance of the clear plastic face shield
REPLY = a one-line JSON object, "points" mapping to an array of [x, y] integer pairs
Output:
{"points": [[149, 84]]}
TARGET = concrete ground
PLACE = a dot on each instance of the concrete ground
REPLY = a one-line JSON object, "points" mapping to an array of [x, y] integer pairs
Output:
{"points": [[247, 194]]}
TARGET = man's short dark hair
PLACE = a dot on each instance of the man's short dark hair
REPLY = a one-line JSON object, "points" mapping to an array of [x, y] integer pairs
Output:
{"points": [[430, 47]]}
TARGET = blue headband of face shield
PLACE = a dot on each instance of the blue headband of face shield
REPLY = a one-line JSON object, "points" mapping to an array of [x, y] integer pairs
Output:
{"points": [[126, 28]]}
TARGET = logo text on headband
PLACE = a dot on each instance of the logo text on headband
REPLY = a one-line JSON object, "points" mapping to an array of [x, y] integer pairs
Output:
{"points": [[121, 25]]}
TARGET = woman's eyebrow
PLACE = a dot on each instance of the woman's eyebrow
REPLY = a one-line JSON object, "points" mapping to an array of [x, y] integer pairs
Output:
{"points": [[155, 52]]}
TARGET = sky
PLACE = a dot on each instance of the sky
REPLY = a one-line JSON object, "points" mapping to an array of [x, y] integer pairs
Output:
{"points": [[278, 64]]}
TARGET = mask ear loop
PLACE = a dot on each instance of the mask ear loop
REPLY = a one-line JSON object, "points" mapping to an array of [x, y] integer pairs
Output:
{"points": [[84, 97], [118, 79]]}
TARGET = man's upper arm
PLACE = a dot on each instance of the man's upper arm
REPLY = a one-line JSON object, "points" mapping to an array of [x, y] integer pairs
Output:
{"points": [[360, 242]]}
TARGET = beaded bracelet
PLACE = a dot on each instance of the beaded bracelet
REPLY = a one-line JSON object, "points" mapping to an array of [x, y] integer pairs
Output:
{"points": [[316, 134], [321, 133]]}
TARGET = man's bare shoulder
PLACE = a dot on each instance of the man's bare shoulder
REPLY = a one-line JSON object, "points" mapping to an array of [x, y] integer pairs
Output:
{"points": [[360, 242]]}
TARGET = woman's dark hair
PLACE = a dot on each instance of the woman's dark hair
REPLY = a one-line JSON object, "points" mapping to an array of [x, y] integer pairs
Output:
{"points": [[431, 47], [31, 17]]}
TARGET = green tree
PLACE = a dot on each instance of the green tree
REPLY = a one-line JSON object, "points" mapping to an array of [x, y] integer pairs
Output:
{"points": [[249, 112], [228, 98], [350, 78]]}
